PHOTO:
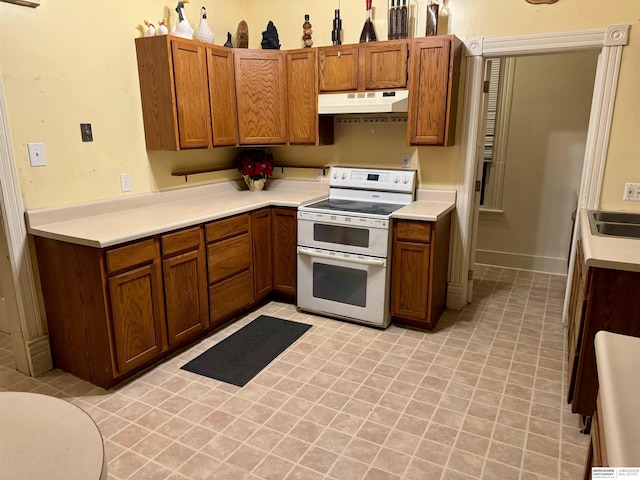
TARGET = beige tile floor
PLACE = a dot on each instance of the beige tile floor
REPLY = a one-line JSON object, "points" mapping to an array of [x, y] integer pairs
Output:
{"points": [[480, 397]]}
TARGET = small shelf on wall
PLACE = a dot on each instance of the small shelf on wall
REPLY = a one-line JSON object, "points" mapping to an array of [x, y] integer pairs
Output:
{"points": [[315, 167], [196, 171]]}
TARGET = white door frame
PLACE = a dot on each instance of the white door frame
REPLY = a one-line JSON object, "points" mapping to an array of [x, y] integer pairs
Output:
{"points": [[31, 349], [610, 41]]}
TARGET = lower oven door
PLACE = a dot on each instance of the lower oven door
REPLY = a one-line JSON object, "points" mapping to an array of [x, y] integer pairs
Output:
{"points": [[344, 285]]}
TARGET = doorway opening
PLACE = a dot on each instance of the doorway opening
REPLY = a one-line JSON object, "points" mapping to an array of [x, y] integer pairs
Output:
{"points": [[609, 42], [536, 117]]}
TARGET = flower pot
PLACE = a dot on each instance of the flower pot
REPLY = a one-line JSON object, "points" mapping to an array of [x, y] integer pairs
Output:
{"points": [[255, 185]]}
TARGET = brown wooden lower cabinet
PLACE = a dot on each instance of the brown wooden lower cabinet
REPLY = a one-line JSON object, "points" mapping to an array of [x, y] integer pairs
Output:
{"points": [[600, 299], [185, 279], [137, 317], [114, 311], [229, 257], [284, 229], [419, 265], [597, 450], [262, 268], [104, 307]]}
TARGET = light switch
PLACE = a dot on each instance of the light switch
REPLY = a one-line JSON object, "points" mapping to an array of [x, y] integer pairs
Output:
{"points": [[36, 154]]}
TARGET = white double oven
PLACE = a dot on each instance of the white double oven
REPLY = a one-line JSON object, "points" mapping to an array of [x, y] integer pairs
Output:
{"points": [[344, 244]]}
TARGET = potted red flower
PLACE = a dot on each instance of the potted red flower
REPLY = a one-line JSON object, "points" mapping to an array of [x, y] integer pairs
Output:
{"points": [[255, 166]]}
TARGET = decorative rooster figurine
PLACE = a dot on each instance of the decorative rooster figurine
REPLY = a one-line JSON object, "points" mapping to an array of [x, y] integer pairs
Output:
{"points": [[203, 33], [183, 28], [162, 27], [151, 30]]}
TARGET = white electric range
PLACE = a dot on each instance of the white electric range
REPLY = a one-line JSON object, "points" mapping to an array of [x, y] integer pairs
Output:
{"points": [[344, 244]]}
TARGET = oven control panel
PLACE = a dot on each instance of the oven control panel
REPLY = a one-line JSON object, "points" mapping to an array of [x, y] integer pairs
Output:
{"points": [[374, 179]]}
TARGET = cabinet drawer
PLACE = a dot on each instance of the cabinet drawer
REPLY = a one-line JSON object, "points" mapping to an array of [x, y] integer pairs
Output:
{"points": [[229, 227], [228, 257], [413, 232], [230, 295], [181, 241], [131, 255]]}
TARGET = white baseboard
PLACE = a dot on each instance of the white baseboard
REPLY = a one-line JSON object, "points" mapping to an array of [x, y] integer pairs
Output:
{"points": [[456, 296], [39, 356], [556, 266]]}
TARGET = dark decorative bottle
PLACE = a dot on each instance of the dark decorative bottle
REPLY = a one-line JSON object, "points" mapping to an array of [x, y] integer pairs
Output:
{"points": [[392, 21], [336, 33], [368, 31], [404, 20]]}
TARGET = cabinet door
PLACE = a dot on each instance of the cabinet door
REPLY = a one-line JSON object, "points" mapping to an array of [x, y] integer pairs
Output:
{"points": [[137, 316], [428, 92], [192, 97], [261, 230], [384, 65], [222, 95], [302, 98], [157, 93], [410, 281], [576, 316], [185, 293], [261, 93], [285, 235], [338, 68]]}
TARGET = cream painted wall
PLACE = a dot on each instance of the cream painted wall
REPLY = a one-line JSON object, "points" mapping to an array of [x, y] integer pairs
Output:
{"points": [[60, 69], [545, 153]]}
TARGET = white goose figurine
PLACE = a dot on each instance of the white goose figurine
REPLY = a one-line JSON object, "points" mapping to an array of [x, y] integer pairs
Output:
{"points": [[203, 33], [151, 29], [162, 27], [183, 28]]}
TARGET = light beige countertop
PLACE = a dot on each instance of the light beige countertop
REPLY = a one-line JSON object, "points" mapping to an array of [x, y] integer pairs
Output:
{"points": [[607, 251], [115, 221], [618, 360], [430, 205]]}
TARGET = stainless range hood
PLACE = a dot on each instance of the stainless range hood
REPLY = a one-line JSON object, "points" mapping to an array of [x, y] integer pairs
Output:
{"points": [[363, 102]]}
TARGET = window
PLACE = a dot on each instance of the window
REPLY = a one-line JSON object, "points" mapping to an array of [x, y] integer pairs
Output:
{"points": [[499, 75]]}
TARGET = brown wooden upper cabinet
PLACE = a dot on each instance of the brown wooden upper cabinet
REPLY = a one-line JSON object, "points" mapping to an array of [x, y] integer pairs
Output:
{"points": [[261, 90], [434, 66], [305, 127], [187, 92], [359, 67]]}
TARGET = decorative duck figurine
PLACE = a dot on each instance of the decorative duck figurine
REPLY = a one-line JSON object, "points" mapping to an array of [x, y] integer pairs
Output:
{"points": [[183, 28], [203, 33], [162, 27], [151, 30]]}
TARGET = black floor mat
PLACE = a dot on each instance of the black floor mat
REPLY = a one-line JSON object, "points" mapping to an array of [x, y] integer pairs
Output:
{"points": [[240, 357]]}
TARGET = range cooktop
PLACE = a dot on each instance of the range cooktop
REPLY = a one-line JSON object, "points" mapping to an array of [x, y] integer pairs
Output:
{"points": [[337, 205]]}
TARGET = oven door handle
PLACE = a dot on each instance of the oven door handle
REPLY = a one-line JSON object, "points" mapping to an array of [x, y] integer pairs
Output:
{"points": [[378, 262]]}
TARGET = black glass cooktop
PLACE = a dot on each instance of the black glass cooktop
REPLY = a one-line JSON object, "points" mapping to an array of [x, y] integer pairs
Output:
{"points": [[355, 206]]}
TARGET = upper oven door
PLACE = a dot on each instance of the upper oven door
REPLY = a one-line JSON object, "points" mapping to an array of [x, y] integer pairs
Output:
{"points": [[343, 233]]}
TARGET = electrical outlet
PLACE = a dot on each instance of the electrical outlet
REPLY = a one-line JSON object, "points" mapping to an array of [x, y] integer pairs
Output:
{"points": [[631, 192], [320, 175], [36, 154], [125, 182], [85, 132], [406, 160]]}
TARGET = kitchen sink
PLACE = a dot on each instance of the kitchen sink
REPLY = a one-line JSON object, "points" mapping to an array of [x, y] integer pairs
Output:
{"points": [[616, 217], [615, 224]]}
